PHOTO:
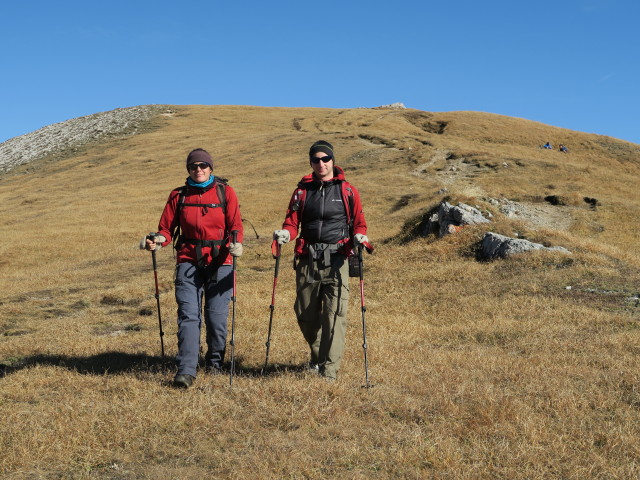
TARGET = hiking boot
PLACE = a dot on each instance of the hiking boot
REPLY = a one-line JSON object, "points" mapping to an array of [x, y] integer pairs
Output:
{"points": [[183, 381], [313, 367]]}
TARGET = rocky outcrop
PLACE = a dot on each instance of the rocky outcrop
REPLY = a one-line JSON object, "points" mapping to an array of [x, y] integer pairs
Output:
{"points": [[73, 133], [393, 106], [499, 246], [451, 219]]}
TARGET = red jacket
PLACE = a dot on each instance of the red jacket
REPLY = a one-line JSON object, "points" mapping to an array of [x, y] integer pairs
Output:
{"points": [[202, 223], [350, 199]]}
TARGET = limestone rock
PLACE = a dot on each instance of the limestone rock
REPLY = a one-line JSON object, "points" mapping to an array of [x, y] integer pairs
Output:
{"points": [[458, 216], [394, 106], [500, 246]]}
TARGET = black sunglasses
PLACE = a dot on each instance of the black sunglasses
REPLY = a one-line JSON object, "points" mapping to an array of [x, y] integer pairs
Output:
{"points": [[326, 159], [194, 166]]}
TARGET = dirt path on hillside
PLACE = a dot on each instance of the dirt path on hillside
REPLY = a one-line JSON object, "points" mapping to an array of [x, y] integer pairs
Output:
{"points": [[555, 217], [457, 171]]}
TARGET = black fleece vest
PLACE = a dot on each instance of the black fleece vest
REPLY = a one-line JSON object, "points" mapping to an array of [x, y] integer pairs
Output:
{"points": [[324, 219]]}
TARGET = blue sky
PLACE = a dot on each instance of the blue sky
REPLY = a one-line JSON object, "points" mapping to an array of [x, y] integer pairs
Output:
{"points": [[567, 63]]}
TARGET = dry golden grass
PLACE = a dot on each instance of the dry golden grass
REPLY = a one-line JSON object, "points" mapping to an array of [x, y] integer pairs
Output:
{"points": [[481, 369]]}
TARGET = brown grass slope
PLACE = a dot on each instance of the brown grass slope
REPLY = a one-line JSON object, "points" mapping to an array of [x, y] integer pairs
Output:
{"points": [[481, 369]]}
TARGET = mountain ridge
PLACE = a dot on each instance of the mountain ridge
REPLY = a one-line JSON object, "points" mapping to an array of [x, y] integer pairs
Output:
{"points": [[79, 131]]}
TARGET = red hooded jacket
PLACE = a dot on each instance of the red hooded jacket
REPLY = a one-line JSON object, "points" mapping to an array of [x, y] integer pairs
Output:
{"points": [[202, 222], [350, 199]]}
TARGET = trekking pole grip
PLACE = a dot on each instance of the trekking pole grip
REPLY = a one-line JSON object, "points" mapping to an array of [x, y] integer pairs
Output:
{"points": [[152, 237], [275, 249]]}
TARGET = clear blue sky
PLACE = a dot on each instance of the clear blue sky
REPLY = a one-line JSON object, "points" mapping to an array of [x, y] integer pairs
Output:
{"points": [[567, 63]]}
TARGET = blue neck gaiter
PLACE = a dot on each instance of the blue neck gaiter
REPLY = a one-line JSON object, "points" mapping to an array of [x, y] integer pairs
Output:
{"points": [[200, 185]]}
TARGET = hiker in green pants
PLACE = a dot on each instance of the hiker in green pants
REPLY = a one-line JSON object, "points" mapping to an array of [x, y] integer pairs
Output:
{"points": [[327, 212]]}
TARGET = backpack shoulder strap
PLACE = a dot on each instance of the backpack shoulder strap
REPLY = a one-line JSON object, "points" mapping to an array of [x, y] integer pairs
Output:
{"points": [[221, 189], [350, 207], [348, 189], [298, 199], [182, 193]]}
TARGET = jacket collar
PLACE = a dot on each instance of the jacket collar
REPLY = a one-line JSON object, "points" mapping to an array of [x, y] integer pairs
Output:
{"points": [[338, 175]]}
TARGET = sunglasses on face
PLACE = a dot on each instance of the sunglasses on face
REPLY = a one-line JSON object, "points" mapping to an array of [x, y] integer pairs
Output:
{"points": [[324, 159], [194, 166]]}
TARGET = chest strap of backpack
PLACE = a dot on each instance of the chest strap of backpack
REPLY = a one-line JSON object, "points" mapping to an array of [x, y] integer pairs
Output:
{"points": [[222, 198], [205, 205]]}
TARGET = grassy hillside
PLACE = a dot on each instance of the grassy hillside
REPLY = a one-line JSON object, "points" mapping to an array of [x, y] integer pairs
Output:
{"points": [[525, 367]]}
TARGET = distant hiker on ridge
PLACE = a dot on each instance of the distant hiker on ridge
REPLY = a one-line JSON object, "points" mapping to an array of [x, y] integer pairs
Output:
{"points": [[200, 218], [328, 212], [548, 146], [563, 149]]}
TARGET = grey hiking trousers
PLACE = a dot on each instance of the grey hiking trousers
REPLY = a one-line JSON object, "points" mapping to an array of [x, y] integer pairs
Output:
{"points": [[322, 298], [192, 284]]}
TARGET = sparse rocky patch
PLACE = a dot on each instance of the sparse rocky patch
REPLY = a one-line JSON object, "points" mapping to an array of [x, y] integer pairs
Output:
{"points": [[537, 215], [74, 133], [393, 106], [446, 219]]}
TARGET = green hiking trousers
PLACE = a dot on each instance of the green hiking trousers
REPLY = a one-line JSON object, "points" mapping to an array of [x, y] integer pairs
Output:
{"points": [[322, 297]]}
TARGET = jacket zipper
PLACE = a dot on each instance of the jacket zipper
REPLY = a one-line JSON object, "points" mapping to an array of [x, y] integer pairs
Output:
{"points": [[322, 198]]}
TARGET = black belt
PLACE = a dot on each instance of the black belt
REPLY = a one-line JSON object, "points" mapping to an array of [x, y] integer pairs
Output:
{"points": [[321, 253], [214, 244]]}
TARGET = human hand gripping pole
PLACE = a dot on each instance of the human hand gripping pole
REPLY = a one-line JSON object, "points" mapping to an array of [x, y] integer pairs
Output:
{"points": [[275, 251], [281, 236], [234, 233]]}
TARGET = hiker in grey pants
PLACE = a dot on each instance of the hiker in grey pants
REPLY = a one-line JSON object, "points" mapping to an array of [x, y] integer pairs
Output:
{"points": [[201, 216]]}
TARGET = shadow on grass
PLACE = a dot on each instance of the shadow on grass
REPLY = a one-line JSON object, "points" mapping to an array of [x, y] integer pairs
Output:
{"points": [[118, 363], [113, 363], [415, 227]]}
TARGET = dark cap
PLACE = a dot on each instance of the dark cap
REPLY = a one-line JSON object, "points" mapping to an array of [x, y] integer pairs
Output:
{"points": [[321, 146], [199, 156]]}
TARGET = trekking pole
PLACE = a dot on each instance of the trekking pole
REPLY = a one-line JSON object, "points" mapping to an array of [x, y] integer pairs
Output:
{"points": [[275, 251], [152, 237], [233, 316], [364, 325]]}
